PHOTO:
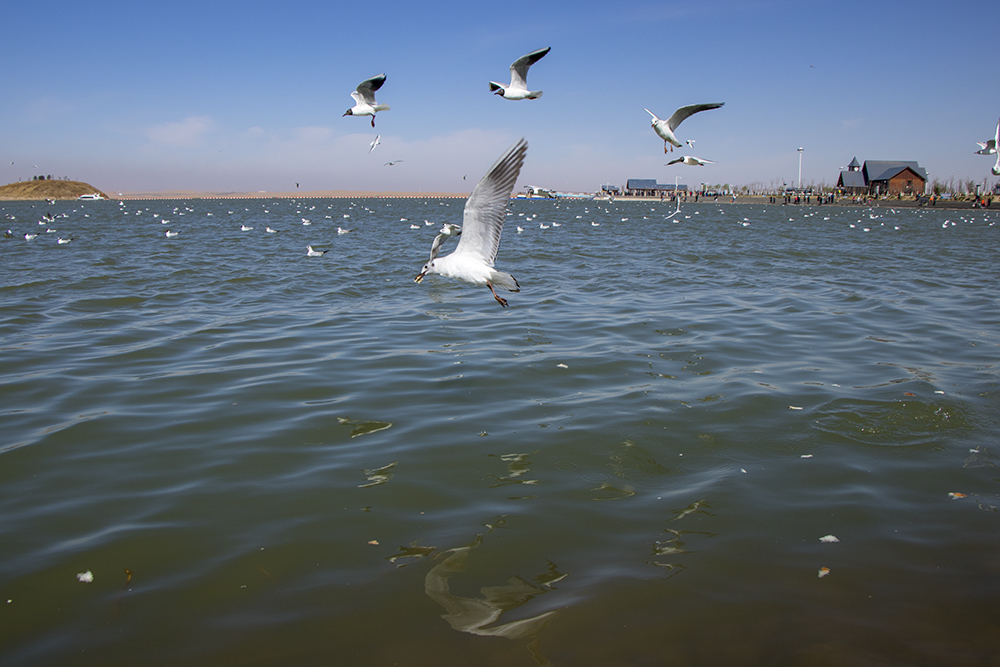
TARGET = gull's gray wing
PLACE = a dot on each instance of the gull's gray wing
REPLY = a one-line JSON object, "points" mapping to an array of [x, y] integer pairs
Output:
{"points": [[436, 245], [678, 116], [519, 68], [367, 88], [482, 220], [446, 232]]}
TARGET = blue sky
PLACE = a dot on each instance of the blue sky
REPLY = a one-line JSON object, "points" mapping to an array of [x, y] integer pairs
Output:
{"points": [[248, 96]]}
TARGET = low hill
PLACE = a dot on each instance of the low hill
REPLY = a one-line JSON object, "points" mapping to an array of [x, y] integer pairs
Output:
{"points": [[47, 189]]}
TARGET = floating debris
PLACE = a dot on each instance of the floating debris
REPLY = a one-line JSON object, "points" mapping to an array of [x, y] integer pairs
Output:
{"points": [[828, 538], [823, 571], [956, 495], [794, 407], [85, 577]]}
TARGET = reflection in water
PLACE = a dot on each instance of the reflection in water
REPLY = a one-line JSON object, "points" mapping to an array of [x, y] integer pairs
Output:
{"points": [[409, 554], [675, 545], [517, 466], [378, 476], [363, 428], [476, 615]]}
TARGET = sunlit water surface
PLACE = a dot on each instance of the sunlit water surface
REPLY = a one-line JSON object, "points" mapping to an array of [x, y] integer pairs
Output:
{"points": [[266, 458]]}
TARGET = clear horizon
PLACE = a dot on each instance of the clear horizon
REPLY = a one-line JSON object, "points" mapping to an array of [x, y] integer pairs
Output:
{"points": [[228, 97]]}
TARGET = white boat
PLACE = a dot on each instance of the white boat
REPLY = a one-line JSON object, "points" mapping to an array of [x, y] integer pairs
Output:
{"points": [[93, 195]]}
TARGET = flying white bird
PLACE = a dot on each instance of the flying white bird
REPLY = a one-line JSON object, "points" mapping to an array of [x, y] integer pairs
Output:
{"points": [[665, 128], [691, 160], [990, 147], [447, 231], [364, 98], [482, 223], [518, 87], [376, 142]]}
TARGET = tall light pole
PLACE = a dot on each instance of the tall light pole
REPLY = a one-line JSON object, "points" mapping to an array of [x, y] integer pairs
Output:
{"points": [[800, 167]]}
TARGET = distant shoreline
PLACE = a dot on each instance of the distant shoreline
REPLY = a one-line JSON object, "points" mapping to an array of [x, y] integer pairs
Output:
{"points": [[292, 194], [370, 194]]}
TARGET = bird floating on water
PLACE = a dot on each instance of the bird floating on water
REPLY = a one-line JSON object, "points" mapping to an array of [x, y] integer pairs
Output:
{"points": [[482, 223], [691, 160], [171, 234], [315, 253], [364, 98], [517, 89], [665, 128]]}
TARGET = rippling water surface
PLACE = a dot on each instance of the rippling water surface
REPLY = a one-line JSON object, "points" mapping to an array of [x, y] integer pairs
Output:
{"points": [[266, 458]]}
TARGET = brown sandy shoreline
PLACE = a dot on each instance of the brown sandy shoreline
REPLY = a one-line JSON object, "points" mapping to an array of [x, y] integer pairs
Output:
{"points": [[291, 194], [371, 194], [360, 194]]}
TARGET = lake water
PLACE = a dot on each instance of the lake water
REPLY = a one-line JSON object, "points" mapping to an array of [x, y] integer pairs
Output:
{"points": [[740, 435]]}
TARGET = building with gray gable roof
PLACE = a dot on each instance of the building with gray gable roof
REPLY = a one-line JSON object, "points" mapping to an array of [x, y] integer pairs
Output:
{"points": [[851, 180], [883, 177]]}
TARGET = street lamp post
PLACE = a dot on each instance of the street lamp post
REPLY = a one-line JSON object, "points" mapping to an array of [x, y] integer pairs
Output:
{"points": [[800, 167]]}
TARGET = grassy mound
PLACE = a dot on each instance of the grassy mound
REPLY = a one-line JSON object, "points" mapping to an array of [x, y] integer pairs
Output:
{"points": [[47, 189]]}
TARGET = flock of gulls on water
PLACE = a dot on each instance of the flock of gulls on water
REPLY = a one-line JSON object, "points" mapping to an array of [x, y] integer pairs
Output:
{"points": [[482, 220]]}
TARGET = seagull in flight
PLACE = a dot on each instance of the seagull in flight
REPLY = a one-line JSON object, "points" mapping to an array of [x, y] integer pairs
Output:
{"points": [[390, 164], [691, 160], [665, 128], [482, 223], [376, 141], [518, 87], [990, 147], [364, 98], [447, 231]]}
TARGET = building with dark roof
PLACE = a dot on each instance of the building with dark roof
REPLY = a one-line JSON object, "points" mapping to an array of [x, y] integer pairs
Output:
{"points": [[883, 177], [851, 180], [648, 187], [894, 178]]}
